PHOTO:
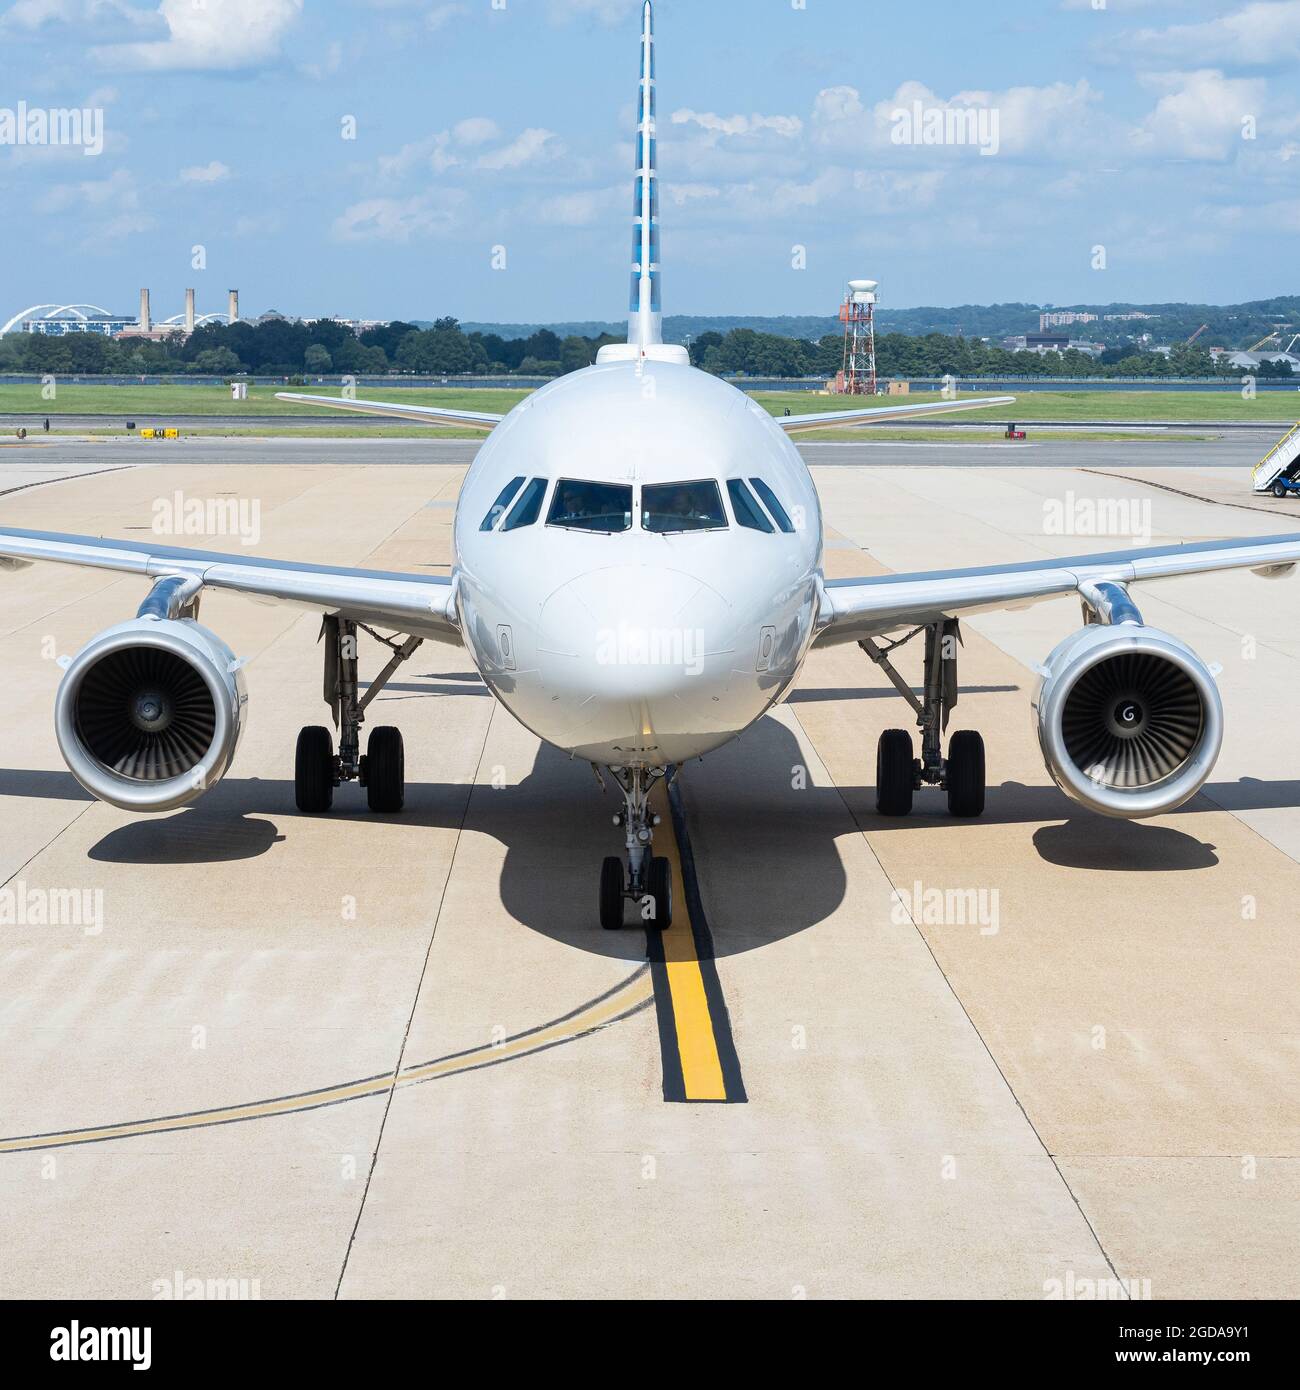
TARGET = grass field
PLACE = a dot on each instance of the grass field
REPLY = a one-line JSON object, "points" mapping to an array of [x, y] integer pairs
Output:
{"points": [[146, 402], [400, 429], [149, 404], [1192, 407]]}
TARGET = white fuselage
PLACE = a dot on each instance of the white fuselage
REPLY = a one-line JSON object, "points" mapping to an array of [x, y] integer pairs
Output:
{"points": [[637, 648]]}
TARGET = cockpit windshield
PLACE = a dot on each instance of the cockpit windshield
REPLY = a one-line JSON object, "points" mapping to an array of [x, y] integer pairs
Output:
{"points": [[503, 501], [748, 513], [695, 506], [587, 506], [528, 508], [779, 513]]}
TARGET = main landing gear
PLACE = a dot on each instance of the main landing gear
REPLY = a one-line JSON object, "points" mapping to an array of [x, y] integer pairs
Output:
{"points": [[381, 769], [898, 773], [647, 879]]}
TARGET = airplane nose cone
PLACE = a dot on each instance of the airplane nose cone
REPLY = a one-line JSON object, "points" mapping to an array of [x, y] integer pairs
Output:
{"points": [[634, 652]]}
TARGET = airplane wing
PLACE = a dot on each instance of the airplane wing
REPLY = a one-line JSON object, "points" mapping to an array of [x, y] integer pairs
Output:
{"points": [[823, 419], [856, 608], [425, 414], [416, 604]]}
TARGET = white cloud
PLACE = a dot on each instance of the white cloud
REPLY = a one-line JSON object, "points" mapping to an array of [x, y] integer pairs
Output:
{"points": [[578, 209], [214, 172], [36, 14], [1200, 114], [118, 187], [87, 200], [476, 130], [1117, 5], [605, 11], [230, 35], [531, 147], [442, 15], [430, 153], [263, 225], [1030, 120], [1265, 33], [680, 194], [788, 126], [398, 219], [328, 65]]}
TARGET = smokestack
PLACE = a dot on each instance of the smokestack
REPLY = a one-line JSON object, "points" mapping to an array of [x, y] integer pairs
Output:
{"points": [[189, 311], [146, 323], [232, 311]]}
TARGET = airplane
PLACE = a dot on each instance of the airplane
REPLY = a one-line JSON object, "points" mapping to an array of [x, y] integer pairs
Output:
{"points": [[637, 577]]}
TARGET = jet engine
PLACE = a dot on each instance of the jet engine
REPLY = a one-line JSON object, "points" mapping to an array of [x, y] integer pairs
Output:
{"points": [[1128, 718], [149, 713]]}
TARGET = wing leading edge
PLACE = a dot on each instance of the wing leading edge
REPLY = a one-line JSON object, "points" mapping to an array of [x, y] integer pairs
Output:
{"points": [[424, 414], [856, 608], [420, 605], [825, 419]]}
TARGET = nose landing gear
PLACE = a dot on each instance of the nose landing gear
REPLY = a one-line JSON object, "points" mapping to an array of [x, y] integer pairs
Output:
{"points": [[647, 879]]}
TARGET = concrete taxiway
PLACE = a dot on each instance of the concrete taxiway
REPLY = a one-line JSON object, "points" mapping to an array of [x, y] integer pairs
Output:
{"points": [[396, 1056]]}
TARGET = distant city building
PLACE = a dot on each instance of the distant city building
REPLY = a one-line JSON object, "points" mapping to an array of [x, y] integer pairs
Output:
{"points": [[1047, 342], [1063, 318], [1249, 361], [1127, 318]]}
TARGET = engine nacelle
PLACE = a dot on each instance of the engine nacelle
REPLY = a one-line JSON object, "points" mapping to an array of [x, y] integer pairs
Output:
{"points": [[1128, 718], [149, 713]]}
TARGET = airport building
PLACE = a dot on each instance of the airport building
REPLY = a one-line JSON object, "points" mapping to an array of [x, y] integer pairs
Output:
{"points": [[56, 320], [60, 319]]}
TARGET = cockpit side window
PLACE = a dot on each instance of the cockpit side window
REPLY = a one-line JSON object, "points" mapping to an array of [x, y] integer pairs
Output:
{"points": [[748, 512], [528, 508], [503, 501], [694, 506], [580, 505], [779, 513]]}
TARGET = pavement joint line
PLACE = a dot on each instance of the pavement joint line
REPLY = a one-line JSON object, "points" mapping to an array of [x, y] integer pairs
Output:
{"points": [[415, 1000], [699, 1059], [1180, 492], [630, 996], [66, 478], [961, 1004]]}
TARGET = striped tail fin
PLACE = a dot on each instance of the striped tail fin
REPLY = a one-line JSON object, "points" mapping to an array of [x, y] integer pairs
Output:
{"points": [[645, 320]]}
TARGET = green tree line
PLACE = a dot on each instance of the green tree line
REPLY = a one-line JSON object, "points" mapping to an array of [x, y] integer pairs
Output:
{"points": [[325, 347]]}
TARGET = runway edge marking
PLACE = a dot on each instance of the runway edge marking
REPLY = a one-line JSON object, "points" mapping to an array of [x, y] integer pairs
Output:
{"points": [[700, 1061]]}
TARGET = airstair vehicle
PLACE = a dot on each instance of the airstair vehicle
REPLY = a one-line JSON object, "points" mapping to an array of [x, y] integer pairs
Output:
{"points": [[1275, 471]]}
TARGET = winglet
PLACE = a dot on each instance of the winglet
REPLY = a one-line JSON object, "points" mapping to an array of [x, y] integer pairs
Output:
{"points": [[645, 322]]}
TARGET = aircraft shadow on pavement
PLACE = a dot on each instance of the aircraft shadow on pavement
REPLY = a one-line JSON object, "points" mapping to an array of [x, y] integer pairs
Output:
{"points": [[764, 846]]}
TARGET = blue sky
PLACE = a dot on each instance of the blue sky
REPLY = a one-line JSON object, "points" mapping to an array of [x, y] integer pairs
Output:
{"points": [[1166, 133]]}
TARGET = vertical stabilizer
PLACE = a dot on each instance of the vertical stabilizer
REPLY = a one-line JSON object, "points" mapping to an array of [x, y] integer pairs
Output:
{"points": [[644, 326]]}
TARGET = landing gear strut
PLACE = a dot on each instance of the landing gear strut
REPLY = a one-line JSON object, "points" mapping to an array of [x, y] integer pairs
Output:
{"points": [[898, 772], [646, 879], [382, 768]]}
